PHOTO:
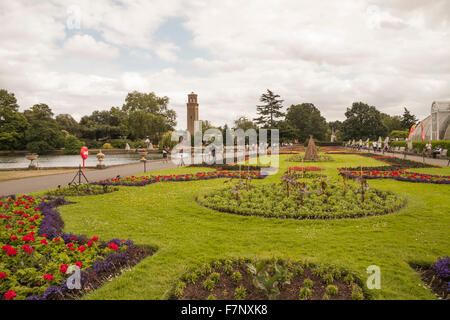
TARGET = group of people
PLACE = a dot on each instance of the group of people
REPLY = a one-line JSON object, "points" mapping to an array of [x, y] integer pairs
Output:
{"points": [[435, 152]]}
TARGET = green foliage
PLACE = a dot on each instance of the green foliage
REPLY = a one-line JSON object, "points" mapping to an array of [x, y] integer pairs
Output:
{"points": [[43, 134], [270, 111], [237, 276], [330, 201], [357, 293], [363, 121], [306, 120], [240, 293], [80, 190], [107, 146], [308, 283], [208, 284], [331, 290], [179, 289], [298, 270], [408, 119], [166, 141], [305, 293], [328, 278], [398, 134], [215, 276], [211, 297], [12, 123], [72, 145], [269, 283]]}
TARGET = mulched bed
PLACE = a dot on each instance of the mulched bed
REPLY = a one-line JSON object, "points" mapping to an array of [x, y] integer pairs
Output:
{"points": [[436, 284], [225, 288]]}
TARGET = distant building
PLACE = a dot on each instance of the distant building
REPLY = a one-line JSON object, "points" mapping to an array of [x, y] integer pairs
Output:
{"points": [[192, 112], [437, 125]]}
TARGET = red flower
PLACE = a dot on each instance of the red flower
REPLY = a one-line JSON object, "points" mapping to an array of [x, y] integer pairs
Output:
{"points": [[9, 295], [43, 241], [113, 246], [11, 252], [78, 264], [81, 248], [27, 248], [14, 238], [69, 245], [48, 277], [95, 239], [63, 268], [2, 275], [57, 239], [90, 243], [28, 237]]}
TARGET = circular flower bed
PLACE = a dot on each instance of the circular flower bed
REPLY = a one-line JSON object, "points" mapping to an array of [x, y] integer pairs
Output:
{"points": [[300, 158], [313, 199], [244, 279], [305, 168]]}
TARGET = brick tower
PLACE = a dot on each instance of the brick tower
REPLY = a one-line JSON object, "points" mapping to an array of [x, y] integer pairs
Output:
{"points": [[192, 112]]}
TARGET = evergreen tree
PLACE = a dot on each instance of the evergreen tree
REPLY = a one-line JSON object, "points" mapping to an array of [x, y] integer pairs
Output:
{"points": [[408, 119], [270, 111]]}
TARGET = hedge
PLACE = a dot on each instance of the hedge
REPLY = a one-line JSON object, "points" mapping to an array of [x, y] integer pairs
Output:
{"points": [[420, 145]]}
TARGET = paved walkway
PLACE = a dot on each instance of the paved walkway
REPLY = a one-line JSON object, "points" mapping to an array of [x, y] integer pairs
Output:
{"points": [[35, 184], [432, 161]]}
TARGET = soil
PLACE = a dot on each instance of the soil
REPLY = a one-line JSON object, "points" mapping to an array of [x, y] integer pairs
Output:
{"points": [[224, 289], [437, 284]]}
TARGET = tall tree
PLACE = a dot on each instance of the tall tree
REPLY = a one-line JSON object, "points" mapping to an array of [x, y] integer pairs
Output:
{"points": [[68, 123], [149, 102], [270, 111], [363, 121], [43, 135], [306, 119], [12, 123], [408, 119]]}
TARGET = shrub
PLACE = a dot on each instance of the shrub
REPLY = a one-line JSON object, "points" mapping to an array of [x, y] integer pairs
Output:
{"points": [[325, 297], [399, 134], [308, 283], [328, 278], [332, 290], [215, 277], [348, 279], [179, 289], [240, 293], [107, 146], [211, 297], [72, 145], [208, 284], [228, 267], [305, 293], [357, 293], [237, 276], [298, 270], [81, 190]]}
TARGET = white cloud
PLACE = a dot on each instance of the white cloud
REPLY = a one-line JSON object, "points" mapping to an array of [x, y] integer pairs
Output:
{"points": [[167, 51], [85, 46], [387, 53]]}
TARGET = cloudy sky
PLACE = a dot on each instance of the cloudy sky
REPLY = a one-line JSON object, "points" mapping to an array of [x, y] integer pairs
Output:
{"points": [[79, 56]]}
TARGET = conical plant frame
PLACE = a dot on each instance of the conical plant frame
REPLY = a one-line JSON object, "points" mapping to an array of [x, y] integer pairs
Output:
{"points": [[311, 150]]}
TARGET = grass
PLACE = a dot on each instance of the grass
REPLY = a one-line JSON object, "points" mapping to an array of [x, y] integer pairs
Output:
{"points": [[166, 215]]}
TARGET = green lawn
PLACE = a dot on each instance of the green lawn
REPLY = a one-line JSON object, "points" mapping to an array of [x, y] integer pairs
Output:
{"points": [[166, 215]]}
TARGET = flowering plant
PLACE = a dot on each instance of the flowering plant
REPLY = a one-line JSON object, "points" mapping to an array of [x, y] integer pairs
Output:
{"points": [[145, 180], [400, 175], [35, 254]]}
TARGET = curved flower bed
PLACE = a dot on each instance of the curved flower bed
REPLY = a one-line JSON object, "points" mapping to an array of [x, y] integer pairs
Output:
{"points": [[145, 180], [437, 276], [35, 254], [80, 190], [315, 200], [400, 175], [305, 168], [276, 279], [300, 158]]}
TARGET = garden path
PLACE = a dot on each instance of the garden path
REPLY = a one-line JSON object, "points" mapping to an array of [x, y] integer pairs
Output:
{"points": [[34, 184]]}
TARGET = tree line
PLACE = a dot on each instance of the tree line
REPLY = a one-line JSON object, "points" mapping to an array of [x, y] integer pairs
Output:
{"points": [[299, 121], [37, 129]]}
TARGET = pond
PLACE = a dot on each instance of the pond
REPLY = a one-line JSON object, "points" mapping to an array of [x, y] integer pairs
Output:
{"points": [[49, 161]]}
